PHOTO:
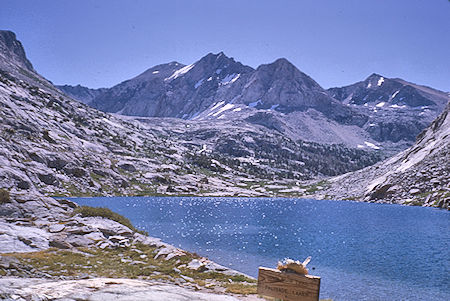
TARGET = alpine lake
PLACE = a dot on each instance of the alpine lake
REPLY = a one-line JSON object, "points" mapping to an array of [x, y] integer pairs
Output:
{"points": [[361, 251]]}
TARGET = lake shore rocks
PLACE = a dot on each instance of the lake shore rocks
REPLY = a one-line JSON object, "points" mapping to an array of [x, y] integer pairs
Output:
{"points": [[101, 289], [35, 223]]}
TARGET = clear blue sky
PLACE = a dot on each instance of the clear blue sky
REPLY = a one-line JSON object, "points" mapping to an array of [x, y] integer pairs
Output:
{"points": [[337, 42]]}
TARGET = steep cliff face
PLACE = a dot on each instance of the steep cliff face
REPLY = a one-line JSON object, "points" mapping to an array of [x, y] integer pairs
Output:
{"points": [[14, 62], [419, 175], [12, 53]]}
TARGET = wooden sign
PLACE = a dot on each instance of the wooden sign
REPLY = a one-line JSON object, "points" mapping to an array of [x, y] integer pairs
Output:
{"points": [[288, 286]]}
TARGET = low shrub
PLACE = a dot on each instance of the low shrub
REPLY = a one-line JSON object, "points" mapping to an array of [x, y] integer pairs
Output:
{"points": [[87, 211], [4, 196]]}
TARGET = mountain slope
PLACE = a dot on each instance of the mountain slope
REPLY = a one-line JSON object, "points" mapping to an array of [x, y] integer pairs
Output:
{"points": [[419, 175], [173, 90], [378, 113], [12, 54], [55, 145], [397, 110]]}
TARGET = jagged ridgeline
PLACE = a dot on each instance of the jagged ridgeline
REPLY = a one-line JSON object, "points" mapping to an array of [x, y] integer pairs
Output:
{"points": [[377, 113], [56, 145]]}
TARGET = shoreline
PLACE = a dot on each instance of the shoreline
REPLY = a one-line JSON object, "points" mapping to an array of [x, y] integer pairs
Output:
{"points": [[41, 237]]}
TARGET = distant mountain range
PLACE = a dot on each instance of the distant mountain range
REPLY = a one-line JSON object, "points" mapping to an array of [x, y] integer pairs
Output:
{"points": [[59, 146], [272, 131], [377, 113]]}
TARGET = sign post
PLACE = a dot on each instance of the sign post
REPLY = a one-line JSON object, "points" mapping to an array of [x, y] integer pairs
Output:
{"points": [[288, 286]]}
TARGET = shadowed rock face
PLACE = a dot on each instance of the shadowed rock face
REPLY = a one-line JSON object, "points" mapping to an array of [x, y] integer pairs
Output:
{"points": [[11, 51], [83, 94]]}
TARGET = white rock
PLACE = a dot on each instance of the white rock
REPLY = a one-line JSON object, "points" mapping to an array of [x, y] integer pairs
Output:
{"points": [[54, 228], [195, 264], [22, 239]]}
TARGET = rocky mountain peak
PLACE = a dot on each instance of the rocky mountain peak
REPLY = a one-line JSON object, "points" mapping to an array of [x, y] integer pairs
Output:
{"points": [[11, 50], [284, 64], [284, 70], [217, 66], [373, 76]]}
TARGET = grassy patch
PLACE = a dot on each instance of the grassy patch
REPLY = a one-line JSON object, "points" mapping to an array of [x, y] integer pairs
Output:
{"points": [[4, 196], [120, 263], [241, 288], [316, 187], [414, 203], [87, 211], [136, 262]]}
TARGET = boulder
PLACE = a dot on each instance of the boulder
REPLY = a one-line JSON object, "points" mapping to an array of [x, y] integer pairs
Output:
{"points": [[106, 226], [414, 191], [96, 236], [127, 166], [14, 238], [79, 240], [57, 163], [195, 264], [73, 170], [23, 184], [59, 242], [49, 179], [55, 228]]}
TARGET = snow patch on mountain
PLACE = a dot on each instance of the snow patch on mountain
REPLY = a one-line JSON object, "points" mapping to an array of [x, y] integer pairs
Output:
{"points": [[180, 72], [220, 103], [369, 144], [230, 78], [223, 109], [397, 106], [395, 94]]}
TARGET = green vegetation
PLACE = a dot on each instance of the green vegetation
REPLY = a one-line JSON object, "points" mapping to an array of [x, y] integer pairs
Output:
{"points": [[136, 262], [241, 288], [414, 203], [4, 196], [87, 211]]}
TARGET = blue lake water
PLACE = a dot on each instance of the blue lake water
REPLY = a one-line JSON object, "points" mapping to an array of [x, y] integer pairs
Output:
{"points": [[362, 251]]}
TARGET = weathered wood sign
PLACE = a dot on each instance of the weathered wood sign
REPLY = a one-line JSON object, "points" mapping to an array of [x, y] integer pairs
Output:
{"points": [[288, 286]]}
